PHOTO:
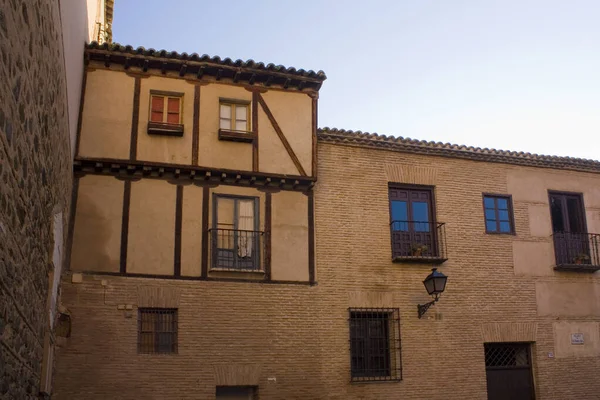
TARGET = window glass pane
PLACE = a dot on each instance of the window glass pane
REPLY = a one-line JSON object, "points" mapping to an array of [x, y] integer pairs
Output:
{"points": [[503, 215], [502, 203], [225, 111], [490, 214], [240, 125], [504, 226], [225, 123], [491, 226], [241, 112], [156, 116], [173, 105], [173, 118], [489, 202], [158, 103], [399, 213], [558, 224], [420, 216], [225, 212]]}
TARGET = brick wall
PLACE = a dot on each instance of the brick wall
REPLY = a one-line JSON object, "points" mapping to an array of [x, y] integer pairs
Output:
{"points": [[35, 181]]}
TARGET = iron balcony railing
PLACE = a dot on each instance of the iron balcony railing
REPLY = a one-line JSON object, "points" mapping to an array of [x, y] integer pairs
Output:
{"points": [[577, 251], [418, 241], [236, 250]]}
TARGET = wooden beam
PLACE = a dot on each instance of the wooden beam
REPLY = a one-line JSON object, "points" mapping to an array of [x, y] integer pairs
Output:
{"points": [[135, 119], [268, 225], [125, 226], [127, 63], [81, 103], [107, 60], [219, 74], [252, 79], [311, 237], [315, 148], [255, 164], [196, 125], [282, 137], [200, 72], [145, 67], [236, 77], [182, 70], [205, 199], [178, 225], [71, 226]]}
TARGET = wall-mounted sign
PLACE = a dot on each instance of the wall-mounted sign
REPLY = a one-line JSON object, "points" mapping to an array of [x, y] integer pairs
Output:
{"points": [[576, 338]]}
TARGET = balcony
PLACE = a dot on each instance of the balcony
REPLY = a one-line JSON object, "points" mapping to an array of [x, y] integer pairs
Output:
{"points": [[236, 250], [576, 251], [418, 242]]}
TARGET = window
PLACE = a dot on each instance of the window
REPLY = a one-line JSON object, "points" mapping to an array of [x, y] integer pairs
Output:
{"points": [[165, 115], [234, 120], [375, 344], [165, 109], [236, 240], [157, 330], [498, 213]]}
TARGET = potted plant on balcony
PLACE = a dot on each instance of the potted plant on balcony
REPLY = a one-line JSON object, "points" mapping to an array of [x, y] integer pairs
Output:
{"points": [[582, 258], [417, 249]]}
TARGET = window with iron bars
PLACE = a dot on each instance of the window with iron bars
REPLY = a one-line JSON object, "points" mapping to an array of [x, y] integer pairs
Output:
{"points": [[375, 344], [157, 330]]}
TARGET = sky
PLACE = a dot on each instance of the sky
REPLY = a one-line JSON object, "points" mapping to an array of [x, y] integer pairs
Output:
{"points": [[518, 75]]}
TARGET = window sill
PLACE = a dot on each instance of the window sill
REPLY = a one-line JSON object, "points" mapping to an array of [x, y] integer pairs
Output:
{"points": [[577, 268], [236, 136], [419, 259], [164, 129], [242, 271], [375, 380]]}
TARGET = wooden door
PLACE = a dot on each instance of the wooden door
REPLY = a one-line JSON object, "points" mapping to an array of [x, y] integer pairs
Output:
{"points": [[412, 222], [508, 371]]}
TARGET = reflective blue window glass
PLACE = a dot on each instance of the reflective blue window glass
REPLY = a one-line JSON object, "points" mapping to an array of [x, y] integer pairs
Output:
{"points": [[420, 212], [497, 214], [504, 227], [490, 214], [399, 216], [489, 202], [502, 204], [491, 226]]}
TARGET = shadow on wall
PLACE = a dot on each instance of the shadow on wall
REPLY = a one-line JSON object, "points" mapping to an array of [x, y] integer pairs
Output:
{"points": [[96, 243]]}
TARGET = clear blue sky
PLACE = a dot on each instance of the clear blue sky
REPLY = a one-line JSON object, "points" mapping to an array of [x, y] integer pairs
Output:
{"points": [[517, 75]]}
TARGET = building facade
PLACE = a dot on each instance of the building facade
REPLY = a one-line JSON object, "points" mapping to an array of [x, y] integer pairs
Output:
{"points": [[41, 48], [224, 247]]}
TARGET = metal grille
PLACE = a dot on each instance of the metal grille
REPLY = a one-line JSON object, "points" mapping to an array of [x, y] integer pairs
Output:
{"points": [[157, 330], [577, 251], [235, 249], [418, 240], [375, 344], [507, 355]]}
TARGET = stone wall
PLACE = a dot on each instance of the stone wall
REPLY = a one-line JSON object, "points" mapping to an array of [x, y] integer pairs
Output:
{"points": [[35, 182]]}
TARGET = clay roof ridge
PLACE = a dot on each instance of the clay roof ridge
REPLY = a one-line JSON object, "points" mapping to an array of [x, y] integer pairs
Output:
{"points": [[400, 143], [118, 48]]}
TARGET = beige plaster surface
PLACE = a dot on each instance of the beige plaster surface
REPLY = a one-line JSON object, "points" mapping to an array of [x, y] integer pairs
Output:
{"points": [[562, 339], [97, 232], [151, 241]]}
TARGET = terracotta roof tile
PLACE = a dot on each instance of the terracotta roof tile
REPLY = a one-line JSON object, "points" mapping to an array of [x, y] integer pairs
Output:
{"points": [[173, 55], [401, 144]]}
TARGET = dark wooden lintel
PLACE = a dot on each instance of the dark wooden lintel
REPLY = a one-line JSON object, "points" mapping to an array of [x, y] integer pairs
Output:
{"points": [[127, 169], [200, 72], [182, 70], [236, 77]]}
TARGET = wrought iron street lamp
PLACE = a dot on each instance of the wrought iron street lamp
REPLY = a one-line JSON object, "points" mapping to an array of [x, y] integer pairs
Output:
{"points": [[435, 283]]}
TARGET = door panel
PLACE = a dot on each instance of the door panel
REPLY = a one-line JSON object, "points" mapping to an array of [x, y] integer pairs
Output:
{"points": [[508, 371]]}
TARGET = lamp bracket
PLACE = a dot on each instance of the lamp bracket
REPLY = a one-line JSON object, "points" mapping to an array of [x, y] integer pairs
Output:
{"points": [[422, 308]]}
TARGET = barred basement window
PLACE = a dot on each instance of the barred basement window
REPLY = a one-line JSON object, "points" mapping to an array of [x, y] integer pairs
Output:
{"points": [[157, 330], [375, 344]]}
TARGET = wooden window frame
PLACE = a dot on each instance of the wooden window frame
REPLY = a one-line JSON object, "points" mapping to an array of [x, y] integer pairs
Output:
{"points": [[154, 311], [165, 128], [511, 213], [259, 256], [233, 135]]}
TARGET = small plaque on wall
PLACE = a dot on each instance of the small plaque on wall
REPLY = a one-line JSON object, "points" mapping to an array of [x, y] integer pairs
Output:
{"points": [[576, 338]]}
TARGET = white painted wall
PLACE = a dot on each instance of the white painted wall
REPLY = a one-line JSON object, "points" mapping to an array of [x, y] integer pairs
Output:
{"points": [[78, 19]]}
